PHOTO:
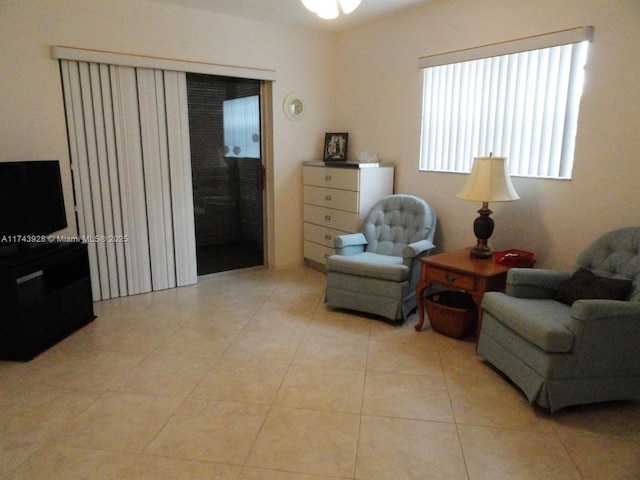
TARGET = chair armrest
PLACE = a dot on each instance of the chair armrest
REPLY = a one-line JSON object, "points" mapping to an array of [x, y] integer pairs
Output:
{"points": [[605, 310], [534, 282], [606, 336], [350, 244], [416, 248]]}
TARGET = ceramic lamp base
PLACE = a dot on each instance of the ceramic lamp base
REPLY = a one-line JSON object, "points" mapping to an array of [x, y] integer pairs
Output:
{"points": [[483, 229]]}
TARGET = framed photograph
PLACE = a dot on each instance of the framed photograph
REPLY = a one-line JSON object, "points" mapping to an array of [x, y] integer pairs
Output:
{"points": [[335, 146]]}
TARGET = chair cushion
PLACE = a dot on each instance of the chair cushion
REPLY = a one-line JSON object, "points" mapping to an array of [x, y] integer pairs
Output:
{"points": [[584, 284], [543, 322], [369, 264]]}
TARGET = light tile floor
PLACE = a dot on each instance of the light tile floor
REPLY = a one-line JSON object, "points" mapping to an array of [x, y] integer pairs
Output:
{"points": [[250, 377]]}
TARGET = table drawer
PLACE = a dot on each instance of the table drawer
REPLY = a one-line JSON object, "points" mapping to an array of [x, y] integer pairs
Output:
{"points": [[319, 234], [329, 217], [342, 178], [451, 279], [317, 253], [332, 198]]}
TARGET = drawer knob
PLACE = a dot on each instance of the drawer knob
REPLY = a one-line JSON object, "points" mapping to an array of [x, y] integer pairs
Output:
{"points": [[327, 217], [327, 197], [450, 278], [327, 237], [327, 178]]}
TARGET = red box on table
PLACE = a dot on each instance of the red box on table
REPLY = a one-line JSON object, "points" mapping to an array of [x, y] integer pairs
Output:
{"points": [[514, 258]]}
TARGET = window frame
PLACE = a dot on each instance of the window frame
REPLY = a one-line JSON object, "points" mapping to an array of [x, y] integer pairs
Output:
{"points": [[444, 148]]}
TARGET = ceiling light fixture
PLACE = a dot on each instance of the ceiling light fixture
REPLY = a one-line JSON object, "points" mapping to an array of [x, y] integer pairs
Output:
{"points": [[329, 8]]}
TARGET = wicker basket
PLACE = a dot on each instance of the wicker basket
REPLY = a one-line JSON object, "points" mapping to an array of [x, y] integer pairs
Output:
{"points": [[452, 313]]}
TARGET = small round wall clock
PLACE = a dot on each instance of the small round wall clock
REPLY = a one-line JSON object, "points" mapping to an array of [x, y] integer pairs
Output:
{"points": [[293, 107]]}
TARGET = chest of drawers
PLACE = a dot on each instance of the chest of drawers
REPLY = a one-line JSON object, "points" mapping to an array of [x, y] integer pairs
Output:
{"points": [[336, 201]]}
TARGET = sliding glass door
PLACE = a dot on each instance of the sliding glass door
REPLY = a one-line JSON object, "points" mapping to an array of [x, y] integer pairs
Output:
{"points": [[227, 172], [128, 122]]}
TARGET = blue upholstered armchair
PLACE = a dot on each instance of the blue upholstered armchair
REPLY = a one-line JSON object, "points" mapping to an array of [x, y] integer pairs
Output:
{"points": [[569, 339], [376, 270]]}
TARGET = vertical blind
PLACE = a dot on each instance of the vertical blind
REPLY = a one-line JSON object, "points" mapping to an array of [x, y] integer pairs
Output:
{"points": [[129, 145], [521, 104]]}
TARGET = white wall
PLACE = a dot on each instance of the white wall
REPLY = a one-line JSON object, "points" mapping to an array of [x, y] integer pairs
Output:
{"points": [[366, 82], [32, 124], [380, 99]]}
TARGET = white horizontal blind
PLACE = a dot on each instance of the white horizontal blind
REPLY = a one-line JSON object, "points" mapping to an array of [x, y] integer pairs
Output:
{"points": [[523, 106]]}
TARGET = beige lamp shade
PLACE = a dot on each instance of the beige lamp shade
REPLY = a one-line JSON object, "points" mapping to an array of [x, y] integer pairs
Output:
{"points": [[489, 181]]}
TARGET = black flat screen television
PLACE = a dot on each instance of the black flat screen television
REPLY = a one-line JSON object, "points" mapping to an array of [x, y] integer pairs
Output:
{"points": [[31, 202]]}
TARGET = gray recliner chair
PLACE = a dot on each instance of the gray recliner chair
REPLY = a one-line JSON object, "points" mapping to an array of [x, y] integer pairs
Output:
{"points": [[377, 270], [570, 339]]}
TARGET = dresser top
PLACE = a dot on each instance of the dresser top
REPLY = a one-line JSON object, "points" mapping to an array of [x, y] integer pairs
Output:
{"points": [[340, 164]]}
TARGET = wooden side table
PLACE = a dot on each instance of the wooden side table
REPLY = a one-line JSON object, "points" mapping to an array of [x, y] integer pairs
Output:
{"points": [[456, 270]]}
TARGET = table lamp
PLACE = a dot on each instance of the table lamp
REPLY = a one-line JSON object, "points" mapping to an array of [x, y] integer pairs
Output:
{"points": [[488, 182]]}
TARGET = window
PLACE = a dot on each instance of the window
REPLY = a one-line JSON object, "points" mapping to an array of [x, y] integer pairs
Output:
{"points": [[517, 99], [241, 123]]}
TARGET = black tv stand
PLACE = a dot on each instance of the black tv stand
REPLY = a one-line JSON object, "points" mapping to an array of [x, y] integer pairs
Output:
{"points": [[45, 295], [19, 252]]}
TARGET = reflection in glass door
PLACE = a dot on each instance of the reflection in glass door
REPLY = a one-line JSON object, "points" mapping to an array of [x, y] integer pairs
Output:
{"points": [[226, 164]]}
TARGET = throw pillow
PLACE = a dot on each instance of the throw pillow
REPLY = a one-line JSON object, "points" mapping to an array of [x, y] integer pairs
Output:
{"points": [[585, 284]]}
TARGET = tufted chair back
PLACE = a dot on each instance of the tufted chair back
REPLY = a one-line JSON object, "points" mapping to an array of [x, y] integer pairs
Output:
{"points": [[615, 254], [396, 221]]}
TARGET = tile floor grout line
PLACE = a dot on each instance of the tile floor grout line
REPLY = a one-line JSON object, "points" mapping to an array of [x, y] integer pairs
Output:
{"points": [[482, 407], [271, 404]]}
